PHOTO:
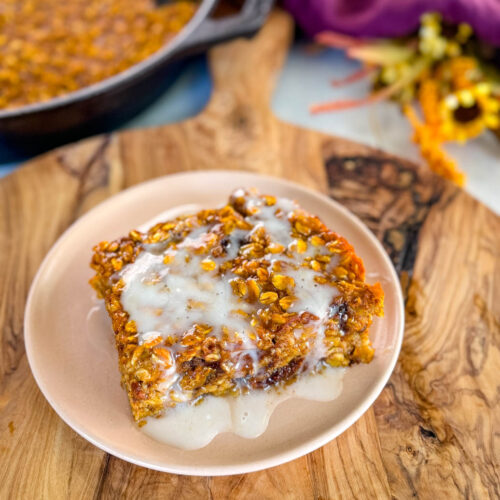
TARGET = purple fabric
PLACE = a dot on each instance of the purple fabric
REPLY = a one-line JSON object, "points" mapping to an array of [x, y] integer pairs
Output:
{"points": [[388, 18]]}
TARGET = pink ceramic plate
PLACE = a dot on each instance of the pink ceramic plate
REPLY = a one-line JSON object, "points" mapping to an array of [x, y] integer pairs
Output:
{"points": [[69, 341]]}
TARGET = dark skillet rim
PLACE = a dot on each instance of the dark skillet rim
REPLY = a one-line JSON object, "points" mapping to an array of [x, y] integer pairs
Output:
{"points": [[172, 48]]}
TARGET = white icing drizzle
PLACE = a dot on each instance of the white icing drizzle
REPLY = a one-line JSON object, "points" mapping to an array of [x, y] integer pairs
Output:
{"points": [[170, 300], [277, 228]]}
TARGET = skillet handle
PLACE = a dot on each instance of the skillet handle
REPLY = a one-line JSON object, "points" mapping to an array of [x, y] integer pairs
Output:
{"points": [[212, 31]]}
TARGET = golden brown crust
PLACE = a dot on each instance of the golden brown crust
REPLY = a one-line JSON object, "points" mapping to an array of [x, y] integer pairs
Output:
{"points": [[50, 48], [283, 338]]}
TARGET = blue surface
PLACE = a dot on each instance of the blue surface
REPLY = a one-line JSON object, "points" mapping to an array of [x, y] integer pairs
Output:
{"points": [[184, 98]]}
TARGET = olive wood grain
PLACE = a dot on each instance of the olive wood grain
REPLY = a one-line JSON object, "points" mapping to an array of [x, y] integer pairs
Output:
{"points": [[434, 431]]}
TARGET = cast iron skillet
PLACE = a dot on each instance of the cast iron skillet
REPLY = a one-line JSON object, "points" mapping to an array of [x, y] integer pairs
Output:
{"points": [[100, 106]]}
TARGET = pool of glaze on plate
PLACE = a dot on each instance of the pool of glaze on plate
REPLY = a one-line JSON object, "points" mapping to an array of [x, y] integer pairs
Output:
{"points": [[190, 427]]}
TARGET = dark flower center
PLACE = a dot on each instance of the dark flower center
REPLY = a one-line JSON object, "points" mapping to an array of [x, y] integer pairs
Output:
{"points": [[449, 30], [462, 114]]}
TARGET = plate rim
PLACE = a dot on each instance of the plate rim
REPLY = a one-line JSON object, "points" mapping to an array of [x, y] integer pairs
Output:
{"points": [[230, 469]]}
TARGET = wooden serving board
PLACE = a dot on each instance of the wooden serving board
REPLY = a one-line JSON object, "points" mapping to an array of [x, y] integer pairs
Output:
{"points": [[434, 431]]}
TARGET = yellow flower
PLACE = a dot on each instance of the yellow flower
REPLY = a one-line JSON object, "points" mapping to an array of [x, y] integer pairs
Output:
{"points": [[432, 43], [467, 112], [455, 96]]}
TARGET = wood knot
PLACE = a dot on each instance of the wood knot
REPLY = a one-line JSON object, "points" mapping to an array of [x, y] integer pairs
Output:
{"points": [[349, 165], [395, 238], [242, 121], [395, 176], [412, 452], [477, 350], [427, 433]]}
